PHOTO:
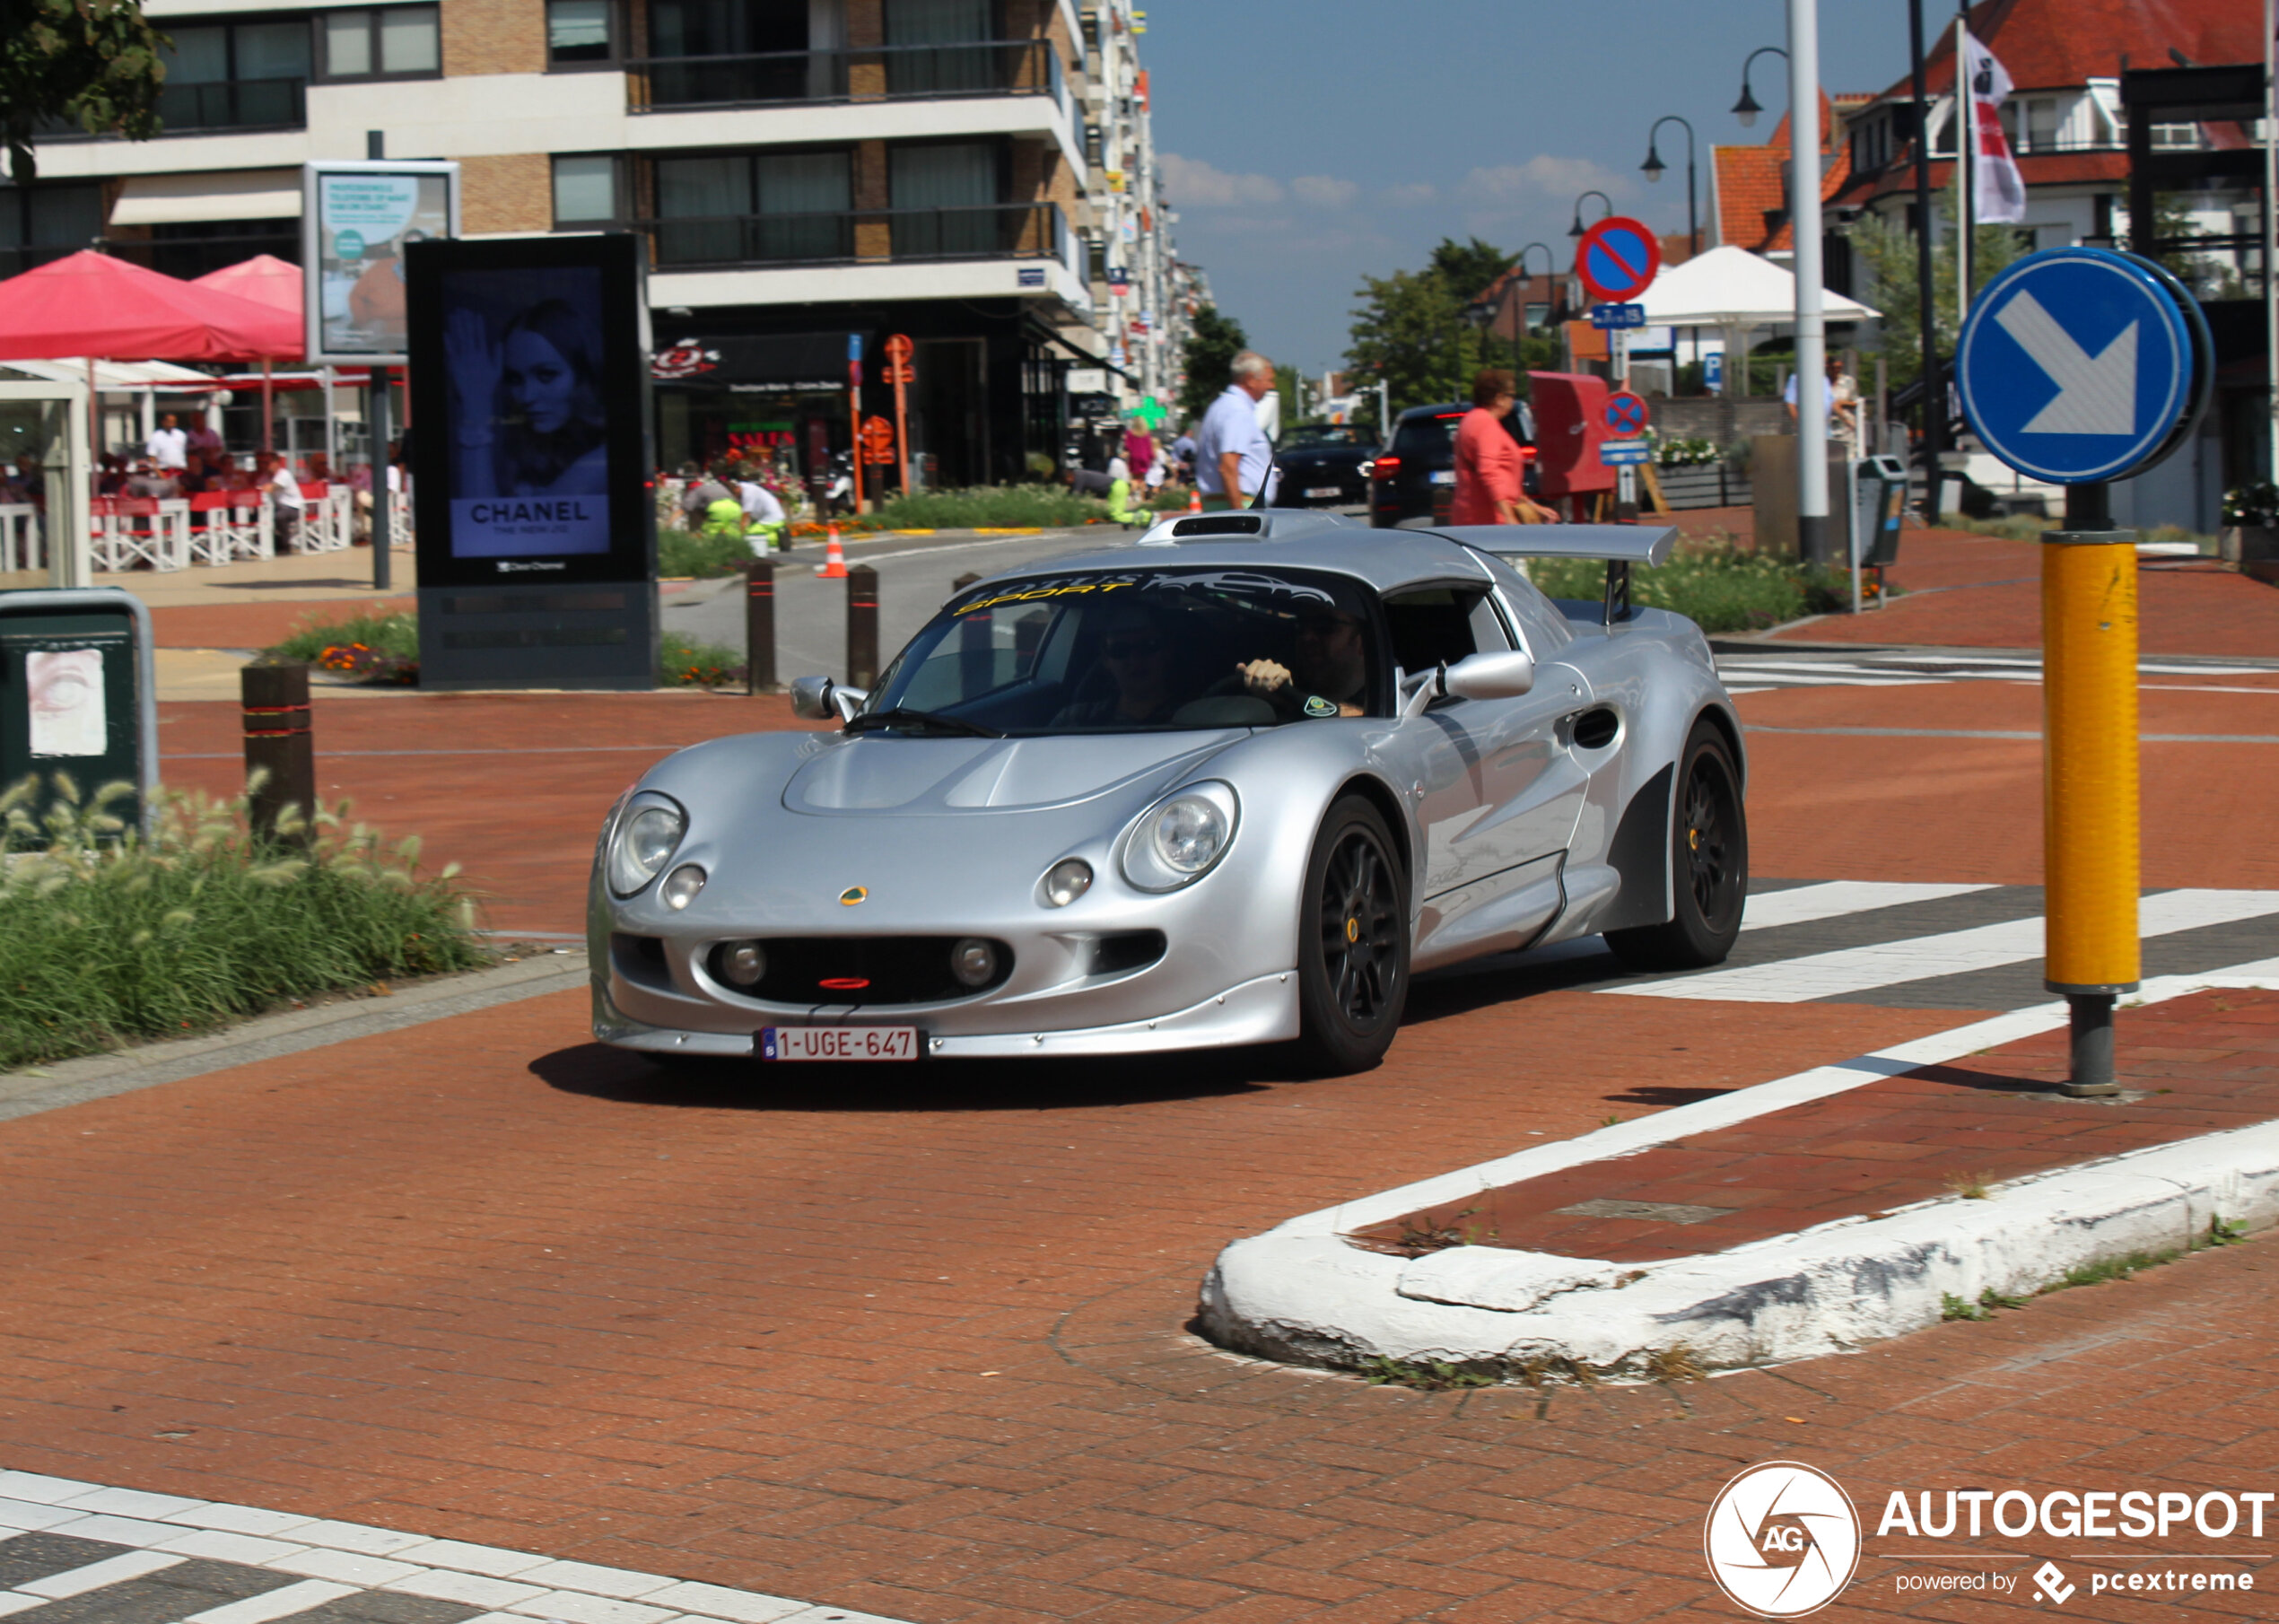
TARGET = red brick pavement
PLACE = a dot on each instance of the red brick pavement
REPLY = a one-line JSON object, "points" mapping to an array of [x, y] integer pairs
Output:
{"points": [[256, 625], [2200, 1064]]}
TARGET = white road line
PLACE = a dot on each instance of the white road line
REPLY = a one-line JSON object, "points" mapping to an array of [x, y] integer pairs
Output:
{"points": [[1851, 970], [1826, 666], [1896, 680], [1803, 904], [274, 1603], [110, 1570]]}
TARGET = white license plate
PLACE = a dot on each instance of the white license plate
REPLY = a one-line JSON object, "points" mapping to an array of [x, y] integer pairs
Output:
{"points": [[1444, 477], [1324, 490], [839, 1043]]}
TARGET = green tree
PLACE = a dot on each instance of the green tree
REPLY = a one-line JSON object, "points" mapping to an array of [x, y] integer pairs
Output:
{"points": [[1887, 252], [93, 64], [1411, 329], [1210, 350]]}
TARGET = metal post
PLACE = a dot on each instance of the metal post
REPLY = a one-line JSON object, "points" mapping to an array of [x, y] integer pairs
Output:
{"points": [[1935, 398], [862, 626], [2091, 836], [2270, 236], [279, 746], [1966, 159], [382, 526], [759, 626], [1804, 210]]}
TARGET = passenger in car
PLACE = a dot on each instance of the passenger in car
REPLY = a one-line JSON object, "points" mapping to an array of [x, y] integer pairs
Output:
{"points": [[1138, 660]]}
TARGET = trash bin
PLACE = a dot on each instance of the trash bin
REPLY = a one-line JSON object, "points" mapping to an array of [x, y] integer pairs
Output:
{"points": [[1880, 498], [77, 695]]}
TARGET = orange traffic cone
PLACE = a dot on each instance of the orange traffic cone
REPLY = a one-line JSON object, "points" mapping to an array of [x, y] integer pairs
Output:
{"points": [[833, 566], [1195, 500]]}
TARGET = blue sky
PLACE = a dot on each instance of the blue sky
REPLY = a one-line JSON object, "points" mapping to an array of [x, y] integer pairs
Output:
{"points": [[1306, 146]]}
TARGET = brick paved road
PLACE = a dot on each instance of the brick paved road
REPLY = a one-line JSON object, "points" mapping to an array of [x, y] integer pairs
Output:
{"points": [[913, 1343]]}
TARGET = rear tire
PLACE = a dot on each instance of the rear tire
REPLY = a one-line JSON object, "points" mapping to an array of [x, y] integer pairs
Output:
{"points": [[1353, 941], [1709, 865]]}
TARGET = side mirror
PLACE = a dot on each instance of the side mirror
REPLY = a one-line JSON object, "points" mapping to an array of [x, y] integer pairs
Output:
{"points": [[1505, 674], [811, 698], [848, 701]]}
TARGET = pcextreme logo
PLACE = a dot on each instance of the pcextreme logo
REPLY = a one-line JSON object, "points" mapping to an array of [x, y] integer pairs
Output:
{"points": [[1781, 1540]]}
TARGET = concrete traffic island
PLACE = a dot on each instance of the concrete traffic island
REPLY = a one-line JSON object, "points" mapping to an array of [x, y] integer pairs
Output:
{"points": [[1813, 1215]]}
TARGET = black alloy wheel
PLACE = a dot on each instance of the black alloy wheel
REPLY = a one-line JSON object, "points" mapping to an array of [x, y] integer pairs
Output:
{"points": [[1709, 865], [1353, 940]]}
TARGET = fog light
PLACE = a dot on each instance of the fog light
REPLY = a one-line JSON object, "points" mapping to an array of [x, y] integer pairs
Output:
{"points": [[1067, 880], [974, 961], [743, 963], [681, 885]]}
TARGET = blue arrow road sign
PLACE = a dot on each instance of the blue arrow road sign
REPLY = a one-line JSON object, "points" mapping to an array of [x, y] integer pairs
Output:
{"points": [[2079, 364]]}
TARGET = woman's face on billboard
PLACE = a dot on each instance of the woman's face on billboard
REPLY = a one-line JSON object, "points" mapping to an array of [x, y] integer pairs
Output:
{"points": [[540, 381]]}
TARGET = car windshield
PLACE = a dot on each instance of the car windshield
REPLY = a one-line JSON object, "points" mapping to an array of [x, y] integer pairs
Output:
{"points": [[1127, 651], [1307, 434]]}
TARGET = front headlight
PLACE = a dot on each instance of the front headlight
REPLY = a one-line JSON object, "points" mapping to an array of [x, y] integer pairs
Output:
{"points": [[1177, 840], [647, 835]]}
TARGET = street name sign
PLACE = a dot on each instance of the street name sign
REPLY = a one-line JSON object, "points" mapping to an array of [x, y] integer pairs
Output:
{"points": [[1617, 259], [1608, 316], [2081, 364]]}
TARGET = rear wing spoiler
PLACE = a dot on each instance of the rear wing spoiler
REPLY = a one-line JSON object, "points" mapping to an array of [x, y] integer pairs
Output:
{"points": [[1622, 545]]}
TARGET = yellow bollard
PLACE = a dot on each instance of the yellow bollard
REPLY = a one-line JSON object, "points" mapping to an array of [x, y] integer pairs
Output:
{"points": [[2089, 791]]}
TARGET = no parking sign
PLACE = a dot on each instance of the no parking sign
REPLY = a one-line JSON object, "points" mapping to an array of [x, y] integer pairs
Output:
{"points": [[1617, 259]]}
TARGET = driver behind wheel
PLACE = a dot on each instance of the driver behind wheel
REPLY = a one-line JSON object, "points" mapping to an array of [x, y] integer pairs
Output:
{"points": [[1329, 673]]}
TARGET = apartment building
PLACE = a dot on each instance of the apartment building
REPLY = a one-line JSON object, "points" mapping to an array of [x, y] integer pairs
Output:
{"points": [[975, 174]]}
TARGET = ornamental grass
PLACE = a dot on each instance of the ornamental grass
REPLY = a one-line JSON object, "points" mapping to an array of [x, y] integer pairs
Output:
{"points": [[110, 934], [1719, 586]]}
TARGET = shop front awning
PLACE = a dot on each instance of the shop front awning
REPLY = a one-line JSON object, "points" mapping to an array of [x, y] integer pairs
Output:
{"points": [[230, 194], [787, 364]]}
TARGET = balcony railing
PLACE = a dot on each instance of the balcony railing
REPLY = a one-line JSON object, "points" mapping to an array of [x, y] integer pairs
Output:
{"points": [[234, 104], [995, 67], [1010, 231]]}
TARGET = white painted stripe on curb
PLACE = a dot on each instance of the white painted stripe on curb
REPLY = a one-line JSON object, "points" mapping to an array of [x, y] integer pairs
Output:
{"points": [[94, 1575], [274, 1604], [1801, 905], [1852, 970], [1300, 1292]]}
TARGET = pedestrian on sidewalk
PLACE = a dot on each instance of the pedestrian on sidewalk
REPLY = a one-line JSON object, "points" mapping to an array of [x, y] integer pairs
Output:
{"points": [[286, 506], [1489, 469], [1234, 460]]}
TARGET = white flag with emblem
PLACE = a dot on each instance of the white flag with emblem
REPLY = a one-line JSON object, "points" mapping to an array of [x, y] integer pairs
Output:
{"points": [[1997, 191]]}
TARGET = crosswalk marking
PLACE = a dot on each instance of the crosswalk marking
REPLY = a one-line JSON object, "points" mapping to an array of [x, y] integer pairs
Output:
{"points": [[1837, 898], [1853, 970], [110, 1570], [1771, 670], [272, 1605]]}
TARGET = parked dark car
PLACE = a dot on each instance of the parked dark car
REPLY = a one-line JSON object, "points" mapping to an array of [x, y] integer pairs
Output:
{"points": [[1415, 476], [1323, 464]]}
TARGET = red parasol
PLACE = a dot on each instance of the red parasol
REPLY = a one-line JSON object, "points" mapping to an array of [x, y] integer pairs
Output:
{"points": [[91, 304], [264, 279]]}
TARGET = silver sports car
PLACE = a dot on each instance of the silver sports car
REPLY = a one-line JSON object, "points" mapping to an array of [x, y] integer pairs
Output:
{"points": [[1232, 783]]}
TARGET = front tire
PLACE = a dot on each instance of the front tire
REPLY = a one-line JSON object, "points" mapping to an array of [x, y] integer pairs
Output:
{"points": [[1353, 941], [1709, 865]]}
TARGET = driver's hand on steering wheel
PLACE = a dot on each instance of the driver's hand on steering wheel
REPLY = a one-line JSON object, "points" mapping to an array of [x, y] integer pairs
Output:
{"points": [[1264, 677]]}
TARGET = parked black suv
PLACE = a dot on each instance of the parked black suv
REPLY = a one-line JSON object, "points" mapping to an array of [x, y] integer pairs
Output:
{"points": [[1415, 476]]}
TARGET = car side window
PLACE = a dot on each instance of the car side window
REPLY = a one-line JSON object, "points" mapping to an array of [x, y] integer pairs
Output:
{"points": [[1439, 626]]}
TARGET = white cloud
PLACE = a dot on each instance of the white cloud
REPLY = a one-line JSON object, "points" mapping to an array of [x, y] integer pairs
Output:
{"points": [[1191, 183], [1542, 175], [1324, 191], [1410, 194]]}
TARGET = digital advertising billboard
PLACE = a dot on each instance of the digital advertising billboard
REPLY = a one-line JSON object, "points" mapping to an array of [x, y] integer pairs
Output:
{"points": [[358, 222]]}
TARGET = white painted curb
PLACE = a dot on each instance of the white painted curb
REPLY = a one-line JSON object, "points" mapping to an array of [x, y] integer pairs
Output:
{"points": [[1301, 1293]]}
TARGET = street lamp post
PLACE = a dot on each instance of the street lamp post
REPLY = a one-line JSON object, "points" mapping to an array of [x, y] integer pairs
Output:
{"points": [[1812, 333], [1576, 229], [1654, 166], [1746, 109], [1519, 320]]}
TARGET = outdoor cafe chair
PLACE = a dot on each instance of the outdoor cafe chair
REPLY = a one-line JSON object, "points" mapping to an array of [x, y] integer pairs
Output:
{"points": [[235, 525], [131, 531]]}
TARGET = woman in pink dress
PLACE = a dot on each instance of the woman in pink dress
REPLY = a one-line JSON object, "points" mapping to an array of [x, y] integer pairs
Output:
{"points": [[1488, 460]]}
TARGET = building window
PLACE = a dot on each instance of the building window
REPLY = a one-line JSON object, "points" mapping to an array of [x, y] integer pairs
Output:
{"points": [[585, 190], [383, 42], [2176, 137], [743, 208], [193, 248], [40, 223], [240, 75], [946, 196], [580, 34]]}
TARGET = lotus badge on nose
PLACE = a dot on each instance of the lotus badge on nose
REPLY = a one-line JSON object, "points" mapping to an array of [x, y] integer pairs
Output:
{"points": [[852, 894]]}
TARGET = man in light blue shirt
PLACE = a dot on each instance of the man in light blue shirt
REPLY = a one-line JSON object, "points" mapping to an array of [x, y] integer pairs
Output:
{"points": [[1232, 456]]}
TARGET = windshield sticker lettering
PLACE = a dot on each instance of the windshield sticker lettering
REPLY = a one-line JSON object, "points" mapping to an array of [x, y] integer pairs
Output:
{"points": [[1043, 590], [1242, 583]]}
